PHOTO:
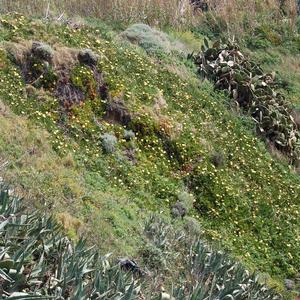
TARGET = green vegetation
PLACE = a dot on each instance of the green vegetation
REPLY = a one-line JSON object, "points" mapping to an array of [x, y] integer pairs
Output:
{"points": [[103, 128], [153, 41], [39, 262], [253, 91]]}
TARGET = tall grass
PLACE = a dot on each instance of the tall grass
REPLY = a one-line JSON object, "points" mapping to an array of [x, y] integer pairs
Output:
{"points": [[238, 16], [177, 13], [234, 16]]}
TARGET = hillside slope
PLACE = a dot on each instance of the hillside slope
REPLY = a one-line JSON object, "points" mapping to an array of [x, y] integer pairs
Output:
{"points": [[103, 133]]}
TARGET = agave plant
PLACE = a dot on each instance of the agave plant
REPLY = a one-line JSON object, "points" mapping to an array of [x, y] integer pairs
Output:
{"points": [[207, 274], [217, 276], [38, 262], [252, 90]]}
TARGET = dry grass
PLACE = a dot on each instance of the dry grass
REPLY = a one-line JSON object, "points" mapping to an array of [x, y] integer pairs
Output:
{"points": [[72, 226], [18, 51], [238, 15], [235, 14], [4, 111], [65, 57], [176, 13]]}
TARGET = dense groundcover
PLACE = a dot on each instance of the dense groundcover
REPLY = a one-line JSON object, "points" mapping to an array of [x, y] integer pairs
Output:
{"points": [[152, 132], [38, 262]]}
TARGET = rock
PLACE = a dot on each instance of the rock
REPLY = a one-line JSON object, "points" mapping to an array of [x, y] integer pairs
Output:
{"points": [[116, 112], [42, 51], [130, 265], [88, 57], [130, 155], [166, 296], [289, 284], [178, 210], [128, 135]]}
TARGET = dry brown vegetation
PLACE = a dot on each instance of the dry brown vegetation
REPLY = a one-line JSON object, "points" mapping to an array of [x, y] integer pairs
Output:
{"points": [[234, 14], [238, 16], [154, 12]]}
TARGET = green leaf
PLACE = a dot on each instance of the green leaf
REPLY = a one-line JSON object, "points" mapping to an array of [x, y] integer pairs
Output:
{"points": [[3, 224], [5, 276], [206, 43], [24, 296], [129, 293]]}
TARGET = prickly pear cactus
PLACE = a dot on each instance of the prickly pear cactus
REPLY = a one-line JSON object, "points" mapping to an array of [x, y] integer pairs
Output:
{"points": [[253, 91]]}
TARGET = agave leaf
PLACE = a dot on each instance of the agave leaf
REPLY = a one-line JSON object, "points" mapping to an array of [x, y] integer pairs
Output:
{"points": [[281, 143], [129, 293], [206, 44], [24, 296], [5, 276], [37, 270]]}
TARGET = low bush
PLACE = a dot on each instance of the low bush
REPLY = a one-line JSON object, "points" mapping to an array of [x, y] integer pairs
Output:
{"points": [[109, 142], [151, 40]]}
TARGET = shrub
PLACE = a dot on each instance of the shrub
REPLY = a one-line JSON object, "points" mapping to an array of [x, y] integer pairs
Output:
{"points": [[148, 38], [178, 210], [88, 57], [129, 135], [42, 51], [109, 142], [153, 257], [217, 159], [151, 40], [187, 199]]}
